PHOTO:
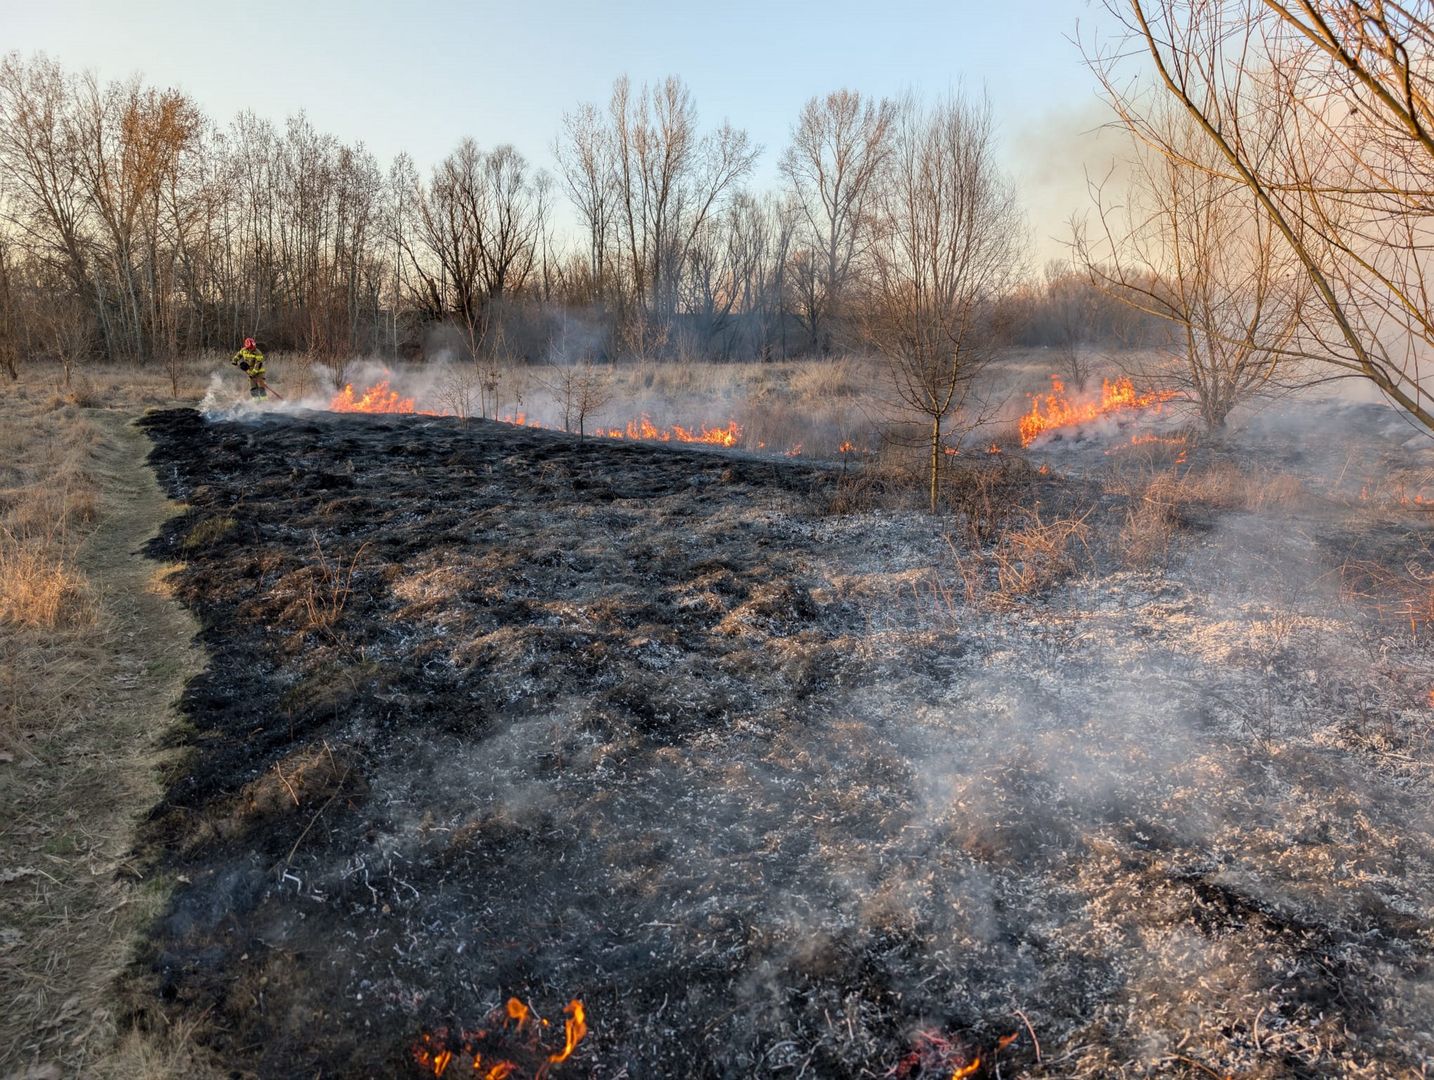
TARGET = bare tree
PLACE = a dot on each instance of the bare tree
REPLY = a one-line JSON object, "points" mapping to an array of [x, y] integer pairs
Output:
{"points": [[1192, 247], [474, 237], [10, 309], [1070, 302], [582, 391], [66, 329], [949, 243], [38, 148], [584, 154], [646, 182], [1322, 110], [838, 146]]}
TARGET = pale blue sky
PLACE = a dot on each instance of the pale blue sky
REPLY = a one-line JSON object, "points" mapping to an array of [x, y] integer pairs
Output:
{"points": [[420, 76]]}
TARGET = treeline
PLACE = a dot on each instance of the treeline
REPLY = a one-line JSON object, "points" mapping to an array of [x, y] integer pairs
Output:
{"points": [[136, 229]]}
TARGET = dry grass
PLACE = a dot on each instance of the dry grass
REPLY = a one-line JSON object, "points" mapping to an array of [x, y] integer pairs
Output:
{"points": [[1148, 534], [1165, 496], [1039, 554], [988, 494], [1028, 557], [48, 505], [75, 763], [40, 590]]}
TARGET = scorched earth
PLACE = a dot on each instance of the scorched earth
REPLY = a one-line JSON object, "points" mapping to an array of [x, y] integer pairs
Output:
{"points": [[495, 713]]}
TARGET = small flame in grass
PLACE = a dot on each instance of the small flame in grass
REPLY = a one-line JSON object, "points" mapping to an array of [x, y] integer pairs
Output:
{"points": [[846, 447], [519, 419], [1149, 439], [933, 1053], [1056, 409], [382, 398], [518, 1012], [644, 430], [470, 1052], [575, 1027], [378, 398], [993, 449]]}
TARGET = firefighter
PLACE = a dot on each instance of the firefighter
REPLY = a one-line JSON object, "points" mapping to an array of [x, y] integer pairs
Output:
{"points": [[251, 361]]}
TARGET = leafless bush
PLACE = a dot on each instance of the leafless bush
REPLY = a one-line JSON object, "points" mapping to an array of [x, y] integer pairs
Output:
{"points": [[1026, 558], [581, 391], [458, 390], [326, 596], [876, 486], [1150, 526], [987, 494]]}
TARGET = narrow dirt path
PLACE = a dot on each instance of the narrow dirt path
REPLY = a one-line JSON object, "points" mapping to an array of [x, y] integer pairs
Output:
{"points": [[77, 803]]}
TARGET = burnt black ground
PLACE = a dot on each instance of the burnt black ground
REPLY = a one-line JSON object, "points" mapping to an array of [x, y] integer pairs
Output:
{"points": [[496, 712]]}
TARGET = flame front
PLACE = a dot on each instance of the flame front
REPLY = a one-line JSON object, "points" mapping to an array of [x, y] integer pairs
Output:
{"points": [[468, 1052], [378, 398], [382, 398], [644, 430], [1057, 410]]}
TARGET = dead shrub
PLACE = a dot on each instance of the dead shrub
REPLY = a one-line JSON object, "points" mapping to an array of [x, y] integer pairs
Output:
{"points": [[867, 488], [327, 592], [1163, 501], [1226, 486], [988, 493], [1038, 555], [1150, 525], [1024, 561], [81, 394]]}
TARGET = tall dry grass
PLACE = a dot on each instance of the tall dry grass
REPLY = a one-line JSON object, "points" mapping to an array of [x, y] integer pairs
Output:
{"points": [[78, 705], [48, 504]]}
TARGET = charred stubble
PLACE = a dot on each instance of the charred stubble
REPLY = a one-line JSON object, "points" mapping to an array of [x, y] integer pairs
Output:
{"points": [[495, 712]]}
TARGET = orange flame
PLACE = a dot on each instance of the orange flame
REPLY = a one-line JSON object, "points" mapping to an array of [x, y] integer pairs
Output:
{"points": [[574, 1028], [1150, 439], [436, 1051], [1056, 409], [518, 1012], [378, 398], [382, 398], [963, 1071], [644, 430]]}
